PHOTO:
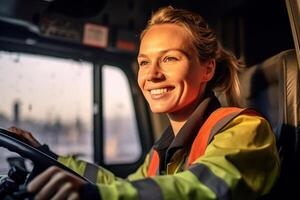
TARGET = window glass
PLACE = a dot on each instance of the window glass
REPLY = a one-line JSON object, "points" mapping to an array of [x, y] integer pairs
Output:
{"points": [[50, 97], [121, 140]]}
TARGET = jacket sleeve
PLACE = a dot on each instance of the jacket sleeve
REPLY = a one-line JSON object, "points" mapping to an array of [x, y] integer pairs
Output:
{"points": [[94, 173], [98, 174], [240, 163]]}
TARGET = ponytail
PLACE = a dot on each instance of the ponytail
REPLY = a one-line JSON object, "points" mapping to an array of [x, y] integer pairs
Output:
{"points": [[225, 79]]}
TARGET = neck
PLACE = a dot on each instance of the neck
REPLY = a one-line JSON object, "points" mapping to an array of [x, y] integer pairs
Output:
{"points": [[180, 117]]}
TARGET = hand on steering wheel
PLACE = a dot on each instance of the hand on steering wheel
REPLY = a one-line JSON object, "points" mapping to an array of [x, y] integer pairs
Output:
{"points": [[27, 136], [53, 181]]}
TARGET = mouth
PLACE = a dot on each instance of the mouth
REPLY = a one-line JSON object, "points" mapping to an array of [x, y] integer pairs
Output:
{"points": [[160, 92]]}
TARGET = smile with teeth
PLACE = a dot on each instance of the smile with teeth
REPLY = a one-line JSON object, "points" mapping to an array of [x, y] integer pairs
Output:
{"points": [[159, 91]]}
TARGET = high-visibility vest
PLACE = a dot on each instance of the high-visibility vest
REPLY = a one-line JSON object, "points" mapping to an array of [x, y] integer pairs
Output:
{"points": [[214, 123]]}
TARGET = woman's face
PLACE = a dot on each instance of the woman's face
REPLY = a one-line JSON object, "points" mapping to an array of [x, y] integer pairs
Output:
{"points": [[170, 75]]}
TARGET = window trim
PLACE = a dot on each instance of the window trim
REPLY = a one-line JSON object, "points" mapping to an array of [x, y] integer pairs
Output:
{"points": [[142, 115]]}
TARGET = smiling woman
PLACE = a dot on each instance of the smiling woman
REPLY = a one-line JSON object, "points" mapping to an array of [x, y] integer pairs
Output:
{"points": [[171, 75], [208, 151]]}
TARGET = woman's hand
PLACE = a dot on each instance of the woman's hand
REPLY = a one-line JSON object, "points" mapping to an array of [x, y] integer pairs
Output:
{"points": [[55, 183], [27, 136]]}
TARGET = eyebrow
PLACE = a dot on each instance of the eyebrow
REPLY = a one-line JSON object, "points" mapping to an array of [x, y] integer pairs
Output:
{"points": [[141, 56], [165, 51]]}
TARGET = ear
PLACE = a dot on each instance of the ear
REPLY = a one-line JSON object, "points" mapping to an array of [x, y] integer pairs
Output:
{"points": [[209, 70]]}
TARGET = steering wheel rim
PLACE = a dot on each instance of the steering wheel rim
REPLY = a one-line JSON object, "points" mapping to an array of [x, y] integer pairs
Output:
{"points": [[41, 160]]}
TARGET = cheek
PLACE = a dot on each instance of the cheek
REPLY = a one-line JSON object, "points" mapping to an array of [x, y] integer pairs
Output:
{"points": [[196, 75], [178, 74]]}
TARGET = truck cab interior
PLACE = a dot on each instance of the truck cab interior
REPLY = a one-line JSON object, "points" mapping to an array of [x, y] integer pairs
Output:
{"points": [[98, 40]]}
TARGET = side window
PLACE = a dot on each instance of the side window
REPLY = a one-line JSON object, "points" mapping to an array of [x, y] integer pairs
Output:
{"points": [[50, 97], [121, 139]]}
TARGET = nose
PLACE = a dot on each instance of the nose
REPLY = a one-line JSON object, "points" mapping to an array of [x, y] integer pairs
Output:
{"points": [[155, 73]]}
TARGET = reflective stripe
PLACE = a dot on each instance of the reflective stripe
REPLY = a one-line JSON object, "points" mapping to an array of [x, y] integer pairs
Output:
{"points": [[223, 122], [220, 125], [154, 163], [148, 189], [213, 182], [201, 141], [91, 172]]}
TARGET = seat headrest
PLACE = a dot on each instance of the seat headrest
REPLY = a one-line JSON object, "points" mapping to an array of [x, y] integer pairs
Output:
{"points": [[272, 88]]}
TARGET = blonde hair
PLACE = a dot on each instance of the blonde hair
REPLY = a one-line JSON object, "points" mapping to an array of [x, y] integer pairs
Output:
{"points": [[207, 46]]}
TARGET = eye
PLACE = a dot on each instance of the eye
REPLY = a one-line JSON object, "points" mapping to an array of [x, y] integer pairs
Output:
{"points": [[143, 63], [169, 59]]}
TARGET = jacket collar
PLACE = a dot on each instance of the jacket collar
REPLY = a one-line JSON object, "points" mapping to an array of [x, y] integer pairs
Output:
{"points": [[188, 132]]}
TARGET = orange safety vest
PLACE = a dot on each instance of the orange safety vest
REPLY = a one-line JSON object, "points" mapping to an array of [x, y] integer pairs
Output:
{"points": [[214, 123]]}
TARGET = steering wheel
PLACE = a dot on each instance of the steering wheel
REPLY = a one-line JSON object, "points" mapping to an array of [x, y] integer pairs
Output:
{"points": [[41, 161]]}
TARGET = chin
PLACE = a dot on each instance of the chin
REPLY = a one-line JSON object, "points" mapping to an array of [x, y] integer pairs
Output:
{"points": [[159, 109]]}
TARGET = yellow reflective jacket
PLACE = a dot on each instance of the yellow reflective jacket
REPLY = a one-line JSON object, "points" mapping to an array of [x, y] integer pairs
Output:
{"points": [[241, 162]]}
